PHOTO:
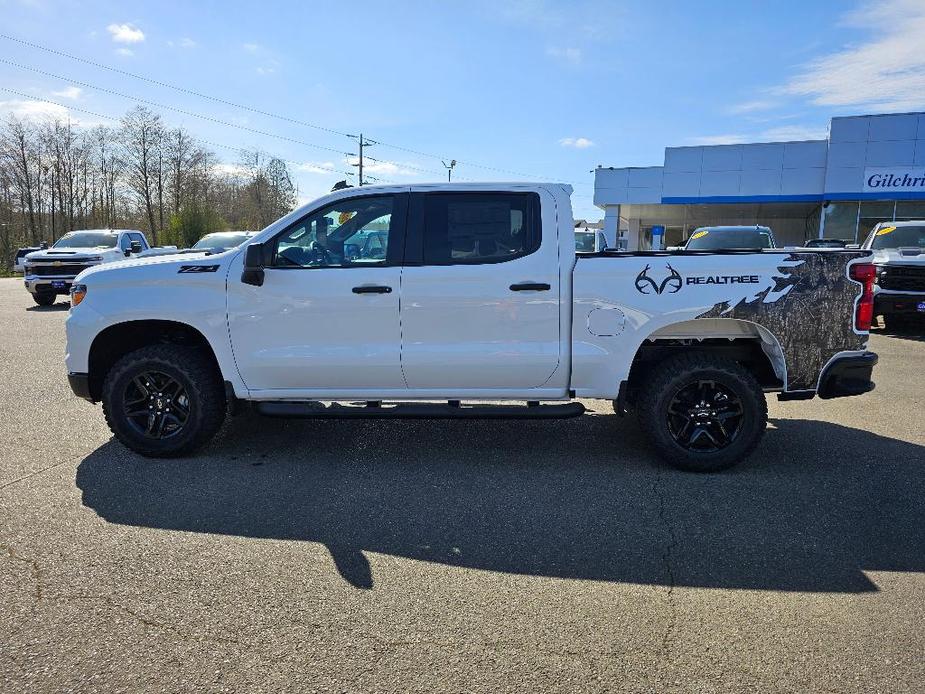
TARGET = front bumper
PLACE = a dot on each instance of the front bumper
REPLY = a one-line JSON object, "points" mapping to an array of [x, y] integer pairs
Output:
{"points": [[889, 303], [49, 285], [80, 384], [848, 375]]}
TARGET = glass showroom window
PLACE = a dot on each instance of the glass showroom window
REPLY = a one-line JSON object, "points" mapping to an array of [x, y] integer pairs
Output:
{"points": [[910, 209], [841, 220], [872, 213]]}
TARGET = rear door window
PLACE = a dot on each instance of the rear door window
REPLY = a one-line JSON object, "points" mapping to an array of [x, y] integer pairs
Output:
{"points": [[476, 228]]}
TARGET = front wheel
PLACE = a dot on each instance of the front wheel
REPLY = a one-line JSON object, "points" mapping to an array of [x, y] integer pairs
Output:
{"points": [[44, 299], [702, 412], [164, 400]]}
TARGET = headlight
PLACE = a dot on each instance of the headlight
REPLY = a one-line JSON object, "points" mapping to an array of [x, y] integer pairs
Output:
{"points": [[78, 292]]}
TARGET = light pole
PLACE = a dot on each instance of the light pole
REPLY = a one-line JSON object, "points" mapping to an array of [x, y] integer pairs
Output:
{"points": [[449, 169]]}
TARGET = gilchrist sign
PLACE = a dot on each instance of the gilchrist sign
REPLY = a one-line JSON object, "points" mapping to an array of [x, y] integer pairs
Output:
{"points": [[904, 179]]}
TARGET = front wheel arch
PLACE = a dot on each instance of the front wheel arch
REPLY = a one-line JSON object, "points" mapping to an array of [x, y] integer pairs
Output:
{"points": [[115, 341]]}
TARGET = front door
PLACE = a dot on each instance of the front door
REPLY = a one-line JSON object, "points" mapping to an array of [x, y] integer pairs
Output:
{"points": [[326, 317], [480, 293]]}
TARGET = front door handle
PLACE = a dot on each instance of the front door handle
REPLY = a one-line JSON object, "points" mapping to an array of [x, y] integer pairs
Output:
{"points": [[372, 289], [530, 287]]}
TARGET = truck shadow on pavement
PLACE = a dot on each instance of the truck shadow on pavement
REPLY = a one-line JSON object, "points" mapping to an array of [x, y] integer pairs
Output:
{"points": [[817, 506]]}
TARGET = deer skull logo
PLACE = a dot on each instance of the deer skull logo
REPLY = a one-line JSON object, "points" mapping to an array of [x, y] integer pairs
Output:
{"points": [[647, 285]]}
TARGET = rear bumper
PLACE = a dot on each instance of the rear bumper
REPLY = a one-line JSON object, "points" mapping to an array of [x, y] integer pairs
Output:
{"points": [[888, 303], [80, 384], [848, 375]]}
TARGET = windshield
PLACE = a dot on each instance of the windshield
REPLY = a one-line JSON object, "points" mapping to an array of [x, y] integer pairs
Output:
{"points": [[221, 240], [88, 239], [715, 239], [584, 242], [899, 237]]}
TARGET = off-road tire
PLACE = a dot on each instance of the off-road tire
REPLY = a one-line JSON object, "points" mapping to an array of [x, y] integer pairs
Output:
{"points": [[44, 299], [201, 381], [669, 378]]}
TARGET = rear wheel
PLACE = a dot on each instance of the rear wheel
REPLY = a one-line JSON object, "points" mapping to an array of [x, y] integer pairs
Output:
{"points": [[44, 298], [703, 412], [164, 400]]}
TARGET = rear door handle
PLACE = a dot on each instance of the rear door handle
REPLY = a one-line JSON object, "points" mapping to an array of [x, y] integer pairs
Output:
{"points": [[372, 289], [530, 287]]}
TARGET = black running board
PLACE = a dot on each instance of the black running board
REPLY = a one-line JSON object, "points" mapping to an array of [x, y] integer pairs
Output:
{"points": [[416, 410]]}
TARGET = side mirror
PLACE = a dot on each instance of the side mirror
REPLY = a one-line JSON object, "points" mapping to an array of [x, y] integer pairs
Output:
{"points": [[136, 247], [254, 262]]}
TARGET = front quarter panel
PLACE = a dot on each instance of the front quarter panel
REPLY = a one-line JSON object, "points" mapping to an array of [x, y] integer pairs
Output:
{"points": [[156, 289]]}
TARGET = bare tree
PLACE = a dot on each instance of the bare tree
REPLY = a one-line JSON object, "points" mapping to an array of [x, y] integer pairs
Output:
{"points": [[141, 139]]}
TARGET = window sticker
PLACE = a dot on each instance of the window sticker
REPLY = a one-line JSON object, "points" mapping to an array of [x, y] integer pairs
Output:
{"points": [[700, 234], [886, 230]]}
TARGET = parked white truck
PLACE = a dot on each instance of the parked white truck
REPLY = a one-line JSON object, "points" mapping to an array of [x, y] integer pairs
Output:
{"points": [[49, 272], [472, 294], [899, 255]]}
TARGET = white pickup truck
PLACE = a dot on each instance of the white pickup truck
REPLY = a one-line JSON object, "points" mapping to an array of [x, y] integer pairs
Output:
{"points": [[50, 271], [453, 300]]}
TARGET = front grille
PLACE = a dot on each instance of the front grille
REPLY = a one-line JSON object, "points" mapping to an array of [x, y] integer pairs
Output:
{"points": [[68, 270], [903, 278]]}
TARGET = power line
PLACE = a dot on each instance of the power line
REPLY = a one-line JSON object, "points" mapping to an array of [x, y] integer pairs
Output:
{"points": [[167, 85], [205, 142], [269, 114], [173, 108]]}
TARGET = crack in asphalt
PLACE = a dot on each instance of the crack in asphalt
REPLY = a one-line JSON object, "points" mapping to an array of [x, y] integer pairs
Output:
{"points": [[667, 558], [35, 570], [35, 473]]}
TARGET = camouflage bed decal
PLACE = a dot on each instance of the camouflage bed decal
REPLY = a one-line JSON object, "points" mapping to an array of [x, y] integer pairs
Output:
{"points": [[810, 311]]}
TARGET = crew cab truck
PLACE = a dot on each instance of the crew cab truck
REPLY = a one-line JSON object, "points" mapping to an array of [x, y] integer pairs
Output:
{"points": [[51, 271], [478, 298], [899, 256]]}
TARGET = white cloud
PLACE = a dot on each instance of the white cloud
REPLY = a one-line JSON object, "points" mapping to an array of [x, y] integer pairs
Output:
{"points": [[323, 167], [568, 55], [251, 47], [576, 142], [752, 106], [125, 51], [266, 70], [125, 33], [69, 93], [887, 72], [187, 42], [382, 168], [27, 109]]}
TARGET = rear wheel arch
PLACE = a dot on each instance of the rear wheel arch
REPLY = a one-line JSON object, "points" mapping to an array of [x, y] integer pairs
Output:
{"points": [[115, 341], [754, 347]]}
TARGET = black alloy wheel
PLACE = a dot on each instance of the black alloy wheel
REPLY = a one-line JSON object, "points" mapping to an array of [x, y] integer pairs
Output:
{"points": [[704, 416], [156, 405]]}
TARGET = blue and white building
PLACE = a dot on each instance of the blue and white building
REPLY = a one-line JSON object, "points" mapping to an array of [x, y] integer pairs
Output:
{"points": [[870, 169]]}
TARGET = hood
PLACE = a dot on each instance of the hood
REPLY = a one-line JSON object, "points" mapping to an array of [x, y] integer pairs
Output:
{"points": [[158, 264], [900, 256], [67, 253]]}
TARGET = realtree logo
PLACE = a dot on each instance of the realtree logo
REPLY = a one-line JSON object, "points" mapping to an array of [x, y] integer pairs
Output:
{"points": [[647, 285], [673, 282]]}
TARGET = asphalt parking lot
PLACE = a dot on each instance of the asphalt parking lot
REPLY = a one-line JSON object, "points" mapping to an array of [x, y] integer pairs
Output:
{"points": [[455, 555]]}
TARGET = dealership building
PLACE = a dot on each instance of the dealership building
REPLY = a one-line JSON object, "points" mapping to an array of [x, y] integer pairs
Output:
{"points": [[870, 169]]}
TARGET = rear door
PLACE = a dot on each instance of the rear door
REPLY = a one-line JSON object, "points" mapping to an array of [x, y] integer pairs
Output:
{"points": [[480, 291]]}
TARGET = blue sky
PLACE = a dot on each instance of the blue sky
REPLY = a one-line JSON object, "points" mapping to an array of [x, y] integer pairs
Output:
{"points": [[533, 88]]}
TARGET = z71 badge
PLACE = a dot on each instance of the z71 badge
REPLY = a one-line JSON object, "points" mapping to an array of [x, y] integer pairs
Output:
{"points": [[197, 268]]}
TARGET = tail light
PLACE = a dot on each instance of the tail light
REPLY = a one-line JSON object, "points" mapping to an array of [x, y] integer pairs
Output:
{"points": [[865, 273]]}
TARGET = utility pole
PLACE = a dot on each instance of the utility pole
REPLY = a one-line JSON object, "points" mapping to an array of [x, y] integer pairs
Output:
{"points": [[364, 143], [449, 169]]}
